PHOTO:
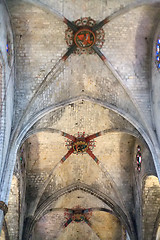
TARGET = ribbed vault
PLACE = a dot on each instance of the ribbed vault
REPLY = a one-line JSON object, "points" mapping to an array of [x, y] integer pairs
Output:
{"points": [[82, 122]]}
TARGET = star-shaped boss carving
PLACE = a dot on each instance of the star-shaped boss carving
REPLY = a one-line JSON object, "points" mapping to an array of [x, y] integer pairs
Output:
{"points": [[84, 36], [80, 145]]}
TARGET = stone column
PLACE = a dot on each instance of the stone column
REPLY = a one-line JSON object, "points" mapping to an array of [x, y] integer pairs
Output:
{"points": [[7, 76]]}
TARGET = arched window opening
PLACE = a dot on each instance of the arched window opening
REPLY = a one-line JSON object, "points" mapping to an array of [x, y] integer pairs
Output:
{"points": [[158, 53]]}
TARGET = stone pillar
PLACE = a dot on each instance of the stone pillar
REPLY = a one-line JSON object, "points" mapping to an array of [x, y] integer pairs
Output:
{"points": [[5, 183], [7, 76]]}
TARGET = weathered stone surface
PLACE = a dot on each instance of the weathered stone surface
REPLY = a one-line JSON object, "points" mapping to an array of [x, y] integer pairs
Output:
{"points": [[12, 217], [55, 97], [151, 205]]}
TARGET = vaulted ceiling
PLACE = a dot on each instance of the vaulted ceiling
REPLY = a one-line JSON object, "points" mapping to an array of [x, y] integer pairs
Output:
{"points": [[81, 118]]}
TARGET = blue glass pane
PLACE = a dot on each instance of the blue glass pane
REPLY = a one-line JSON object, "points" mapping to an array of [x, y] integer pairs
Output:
{"points": [[7, 47], [158, 53]]}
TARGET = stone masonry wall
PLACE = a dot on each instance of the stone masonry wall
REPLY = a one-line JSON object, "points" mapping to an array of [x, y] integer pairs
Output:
{"points": [[151, 206]]}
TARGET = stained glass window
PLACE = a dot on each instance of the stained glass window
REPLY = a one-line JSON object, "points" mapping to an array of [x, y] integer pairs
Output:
{"points": [[139, 158], [158, 53], [9, 49]]}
